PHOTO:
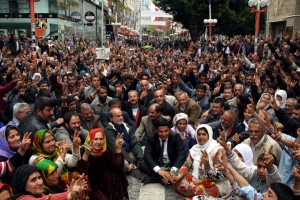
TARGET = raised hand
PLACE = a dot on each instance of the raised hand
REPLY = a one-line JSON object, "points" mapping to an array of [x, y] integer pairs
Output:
{"points": [[204, 160], [26, 142], [296, 172], [76, 141], [223, 158], [277, 135], [36, 160], [76, 187], [222, 141], [296, 152], [119, 142], [268, 157], [236, 137]]}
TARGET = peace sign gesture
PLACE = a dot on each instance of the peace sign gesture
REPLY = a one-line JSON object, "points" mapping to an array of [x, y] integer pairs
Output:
{"points": [[205, 160], [26, 142], [76, 141], [268, 157], [222, 141]]}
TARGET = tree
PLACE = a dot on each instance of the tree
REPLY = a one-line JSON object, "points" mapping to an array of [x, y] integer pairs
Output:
{"points": [[234, 16]]}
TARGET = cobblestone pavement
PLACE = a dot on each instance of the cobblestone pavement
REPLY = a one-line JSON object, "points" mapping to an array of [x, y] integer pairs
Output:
{"points": [[153, 191]]}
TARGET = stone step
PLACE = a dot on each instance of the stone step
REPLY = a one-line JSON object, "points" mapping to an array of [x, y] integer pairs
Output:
{"points": [[152, 191]]}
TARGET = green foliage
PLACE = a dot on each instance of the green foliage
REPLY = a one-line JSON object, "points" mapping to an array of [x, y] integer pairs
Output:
{"points": [[234, 16]]}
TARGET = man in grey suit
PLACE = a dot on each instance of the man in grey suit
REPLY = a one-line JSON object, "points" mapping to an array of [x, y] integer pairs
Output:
{"points": [[146, 126]]}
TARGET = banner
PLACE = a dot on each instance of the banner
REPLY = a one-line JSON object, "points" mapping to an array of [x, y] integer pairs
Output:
{"points": [[102, 53]]}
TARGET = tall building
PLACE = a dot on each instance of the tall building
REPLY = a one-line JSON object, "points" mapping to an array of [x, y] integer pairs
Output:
{"points": [[283, 18]]}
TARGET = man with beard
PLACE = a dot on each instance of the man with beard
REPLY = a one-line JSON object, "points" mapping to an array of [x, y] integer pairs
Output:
{"points": [[131, 149], [100, 103], [88, 120], [95, 83], [135, 110], [147, 125], [71, 125]]}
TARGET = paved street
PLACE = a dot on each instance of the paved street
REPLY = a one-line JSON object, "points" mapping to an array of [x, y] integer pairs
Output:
{"points": [[153, 191]]}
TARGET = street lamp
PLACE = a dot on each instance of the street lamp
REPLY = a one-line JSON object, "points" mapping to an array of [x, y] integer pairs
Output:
{"points": [[210, 22], [255, 7]]}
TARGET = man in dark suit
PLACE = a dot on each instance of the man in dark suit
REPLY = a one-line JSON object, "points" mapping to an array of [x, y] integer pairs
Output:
{"points": [[163, 153]]}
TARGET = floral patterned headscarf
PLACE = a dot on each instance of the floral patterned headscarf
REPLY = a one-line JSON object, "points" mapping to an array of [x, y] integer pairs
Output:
{"points": [[38, 140], [91, 137]]}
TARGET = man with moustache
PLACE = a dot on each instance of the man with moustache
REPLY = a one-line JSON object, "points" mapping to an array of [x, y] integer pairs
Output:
{"points": [[88, 120], [131, 149], [135, 110], [147, 125], [71, 125], [257, 138]]}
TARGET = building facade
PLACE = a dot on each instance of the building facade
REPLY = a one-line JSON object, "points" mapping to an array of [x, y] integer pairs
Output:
{"points": [[283, 18], [62, 18]]}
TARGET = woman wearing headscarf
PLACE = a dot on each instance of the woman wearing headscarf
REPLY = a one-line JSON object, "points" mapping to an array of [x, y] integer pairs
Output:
{"points": [[10, 141], [44, 147], [264, 102], [52, 181], [280, 97], [104, 167], [245, 153], [27, 184], [12, 151], [185, 130], [198, 175]]}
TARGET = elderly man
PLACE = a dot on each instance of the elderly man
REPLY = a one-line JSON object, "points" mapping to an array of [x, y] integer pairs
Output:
{"points": [[131, 150], [257, 138], [146, 94], [88, 120], [188, 106], [167, 109], [147, 125], [20, 110], [229, 125]]}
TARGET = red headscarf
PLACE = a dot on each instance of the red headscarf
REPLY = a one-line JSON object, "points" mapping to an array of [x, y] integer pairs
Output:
{"points": [[91, 137]]}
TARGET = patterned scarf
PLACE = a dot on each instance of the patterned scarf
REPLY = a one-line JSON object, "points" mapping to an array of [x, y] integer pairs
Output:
{"points": [[38, 150], [46, 167], [89, 139]]}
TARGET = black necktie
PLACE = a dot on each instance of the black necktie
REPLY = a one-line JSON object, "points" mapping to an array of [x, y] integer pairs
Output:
{"points": [[161, 158]]}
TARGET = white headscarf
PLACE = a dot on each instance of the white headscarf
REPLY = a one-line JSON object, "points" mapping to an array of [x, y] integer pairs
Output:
{"points": [[195, 151], [283, 95], [180, 116], [35, 75], [247, 154]]}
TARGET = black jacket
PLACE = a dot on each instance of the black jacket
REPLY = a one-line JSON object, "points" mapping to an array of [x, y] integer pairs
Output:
{"points": [[175, 150], [32, 123], [142, 112]]}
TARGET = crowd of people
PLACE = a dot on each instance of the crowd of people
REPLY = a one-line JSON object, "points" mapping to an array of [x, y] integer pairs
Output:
{"points": [[210, 118]]}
